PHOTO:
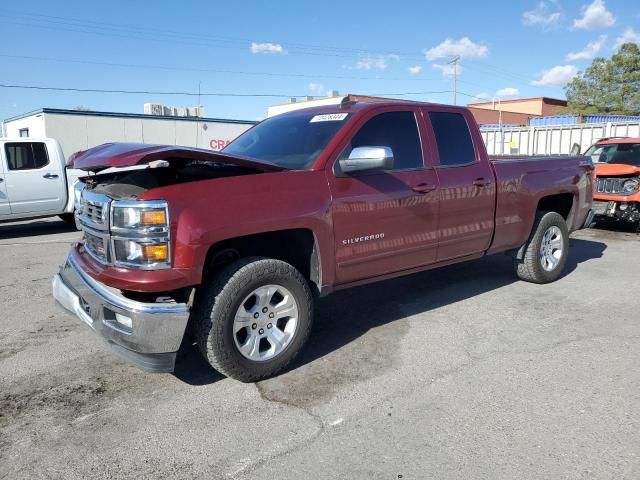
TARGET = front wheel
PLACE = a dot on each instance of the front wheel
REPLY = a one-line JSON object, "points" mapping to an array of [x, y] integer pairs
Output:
{"points": [[546, 250], [253, 318]]}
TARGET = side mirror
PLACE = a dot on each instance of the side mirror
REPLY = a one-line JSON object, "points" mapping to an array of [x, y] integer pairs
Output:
{"points": [[363, 159]]}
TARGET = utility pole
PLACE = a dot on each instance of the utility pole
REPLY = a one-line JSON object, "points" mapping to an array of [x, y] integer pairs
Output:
{"points": [[454, 62]]}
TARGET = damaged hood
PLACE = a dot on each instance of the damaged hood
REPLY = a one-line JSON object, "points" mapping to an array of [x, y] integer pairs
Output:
{"points": [[117, 155], [607, 169]]}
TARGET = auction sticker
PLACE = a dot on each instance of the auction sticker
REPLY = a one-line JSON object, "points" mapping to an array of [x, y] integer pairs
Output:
{"points": [[329, 117]]}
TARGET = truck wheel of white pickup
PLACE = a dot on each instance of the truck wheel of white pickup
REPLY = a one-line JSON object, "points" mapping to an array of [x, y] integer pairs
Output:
{"points": [[545, 253], [253, 318]]}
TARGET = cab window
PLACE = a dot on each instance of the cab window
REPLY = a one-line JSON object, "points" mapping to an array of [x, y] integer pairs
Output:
{"points": [[26, 155], [396, 130], [455, 146]]}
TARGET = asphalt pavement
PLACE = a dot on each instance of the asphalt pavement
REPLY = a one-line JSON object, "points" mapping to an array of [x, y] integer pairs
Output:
{"points": [[457, 373]]}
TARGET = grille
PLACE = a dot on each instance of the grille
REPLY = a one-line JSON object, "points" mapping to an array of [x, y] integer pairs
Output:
{"points": [[610, 184], [97, 246], [93, 210]]}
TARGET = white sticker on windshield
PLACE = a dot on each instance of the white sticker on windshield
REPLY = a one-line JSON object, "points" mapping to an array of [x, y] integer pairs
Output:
{"points": [[329, 117]]}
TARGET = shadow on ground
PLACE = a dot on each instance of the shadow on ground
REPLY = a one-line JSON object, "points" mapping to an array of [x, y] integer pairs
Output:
{"points": [[346, 315], [616, 226], [34, 228]]}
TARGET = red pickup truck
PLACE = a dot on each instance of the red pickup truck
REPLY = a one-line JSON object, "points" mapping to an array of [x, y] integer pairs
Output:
{"points": [[232, 247]]}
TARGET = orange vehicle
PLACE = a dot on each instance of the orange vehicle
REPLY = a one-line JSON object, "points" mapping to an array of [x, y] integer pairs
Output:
{"points": [[616, 191]]}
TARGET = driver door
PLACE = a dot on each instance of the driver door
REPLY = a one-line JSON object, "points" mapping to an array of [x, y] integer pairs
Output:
{"points": [[385, 221]]}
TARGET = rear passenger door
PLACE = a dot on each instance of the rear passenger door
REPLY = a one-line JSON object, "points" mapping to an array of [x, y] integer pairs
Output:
{"points": [[467, 187], [385, 221], [35, 185]]}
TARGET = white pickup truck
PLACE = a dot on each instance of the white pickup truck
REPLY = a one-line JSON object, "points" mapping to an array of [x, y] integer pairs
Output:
{"points": [[34, 180]]}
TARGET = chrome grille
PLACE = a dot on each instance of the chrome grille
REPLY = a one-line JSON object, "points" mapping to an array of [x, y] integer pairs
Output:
{"points": [[96, 245], [610, 184], [93, 215], [94, 210]]}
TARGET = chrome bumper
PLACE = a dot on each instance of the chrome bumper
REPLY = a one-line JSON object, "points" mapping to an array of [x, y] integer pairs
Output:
{"points": [[147, 335]]}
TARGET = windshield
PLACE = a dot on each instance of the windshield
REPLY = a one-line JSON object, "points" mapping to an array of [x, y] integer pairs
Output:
{"points": [[624, 153], [291, 141]]}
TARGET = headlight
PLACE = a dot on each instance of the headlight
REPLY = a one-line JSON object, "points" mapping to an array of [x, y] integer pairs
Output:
{"points": [[142, 217], [141, 253], [631, 185], [140, 234]]}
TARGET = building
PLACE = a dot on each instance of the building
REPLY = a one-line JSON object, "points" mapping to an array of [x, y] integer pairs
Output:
{"points": [[535, 106], [79, 130]]}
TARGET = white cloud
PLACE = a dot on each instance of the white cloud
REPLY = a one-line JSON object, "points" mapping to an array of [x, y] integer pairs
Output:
{"points": [[380, 62], [446, 69], [416, 69], [629, 36], [594, 16], [588, 52], [541, 16], [482, 96], [559, 75], [316, 88], [267, 48], [465, 48], [507, 92]]}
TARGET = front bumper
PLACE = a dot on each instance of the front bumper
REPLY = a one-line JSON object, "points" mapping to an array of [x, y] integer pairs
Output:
{"points": [[618, 209], [147, 335]]}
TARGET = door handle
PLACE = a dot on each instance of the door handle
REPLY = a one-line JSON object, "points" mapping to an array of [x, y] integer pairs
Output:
{"points": [[49, 175], [424, 188], [481, 182], [1, 180]]}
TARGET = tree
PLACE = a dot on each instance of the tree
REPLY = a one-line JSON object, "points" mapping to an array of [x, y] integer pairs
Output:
{"points": [[609, 86]]}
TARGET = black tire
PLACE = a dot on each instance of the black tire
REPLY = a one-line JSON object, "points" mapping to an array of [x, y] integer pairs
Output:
{"points": [[530, 267], [68, 218], [219, 298]]}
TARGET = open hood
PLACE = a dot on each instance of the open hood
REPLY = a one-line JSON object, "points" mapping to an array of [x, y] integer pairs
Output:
{"points": [[114, 155]]}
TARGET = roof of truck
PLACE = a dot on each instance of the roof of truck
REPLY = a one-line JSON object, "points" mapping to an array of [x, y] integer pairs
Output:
{"points": [[614, 140], [355, 103]]}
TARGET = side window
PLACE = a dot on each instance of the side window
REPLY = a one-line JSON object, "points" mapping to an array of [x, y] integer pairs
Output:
{"points": [[453, 137], [397, 130], [26, 156]]}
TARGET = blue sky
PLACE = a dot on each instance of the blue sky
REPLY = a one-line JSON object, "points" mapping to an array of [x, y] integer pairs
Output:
{"points": [[288, 48]]}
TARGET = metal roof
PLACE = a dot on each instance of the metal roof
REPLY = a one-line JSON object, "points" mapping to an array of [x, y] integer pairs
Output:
{"points": [[61, 111]]}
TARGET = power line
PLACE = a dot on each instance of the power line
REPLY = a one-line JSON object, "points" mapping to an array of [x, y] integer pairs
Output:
{"points": [[211, 70], [207, 94], [147, 92], [164, 32], [78, 25]]}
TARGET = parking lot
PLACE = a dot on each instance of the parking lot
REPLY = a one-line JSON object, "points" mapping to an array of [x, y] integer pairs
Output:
{"points": [[456, 373]]}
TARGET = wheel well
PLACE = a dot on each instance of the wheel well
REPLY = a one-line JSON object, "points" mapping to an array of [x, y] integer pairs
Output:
{"points": [[296, 247], [561, 203]]}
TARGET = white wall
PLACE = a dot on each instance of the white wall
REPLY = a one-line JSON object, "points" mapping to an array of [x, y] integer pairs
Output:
{"points": [[79, 132], [35, 124]]}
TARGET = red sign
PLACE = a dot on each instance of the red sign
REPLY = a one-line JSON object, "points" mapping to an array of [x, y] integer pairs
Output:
{"points": [[218, 144]]}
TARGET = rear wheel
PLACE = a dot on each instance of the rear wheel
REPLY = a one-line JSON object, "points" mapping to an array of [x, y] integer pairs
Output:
{"points": [[546, 250], [253, 318], [68, 218]]}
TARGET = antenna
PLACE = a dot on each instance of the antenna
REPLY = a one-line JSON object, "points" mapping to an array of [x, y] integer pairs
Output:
{"points": [[454, 62]]}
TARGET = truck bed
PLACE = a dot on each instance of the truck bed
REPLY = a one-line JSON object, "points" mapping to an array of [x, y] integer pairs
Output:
{"points": [[522, 180]]}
